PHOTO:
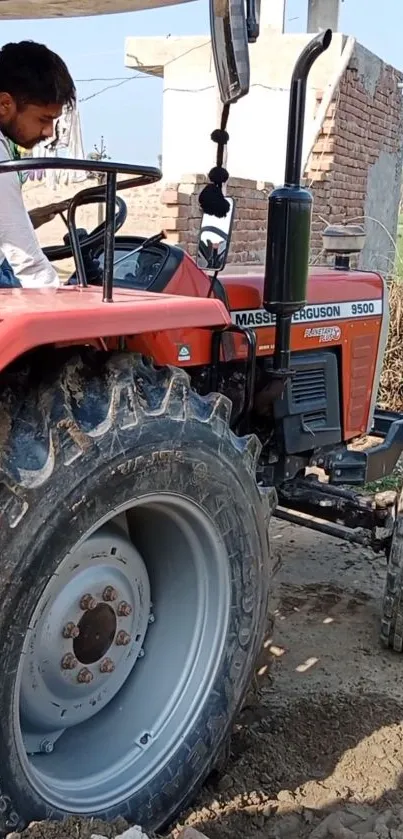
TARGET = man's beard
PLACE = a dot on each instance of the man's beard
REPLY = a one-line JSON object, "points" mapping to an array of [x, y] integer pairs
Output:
{"points": [[10, 130]]}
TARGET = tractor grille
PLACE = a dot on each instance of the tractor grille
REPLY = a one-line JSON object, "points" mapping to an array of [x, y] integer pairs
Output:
{"points": [[310, 407], [309, 389], [314, 419], [309, 386]]}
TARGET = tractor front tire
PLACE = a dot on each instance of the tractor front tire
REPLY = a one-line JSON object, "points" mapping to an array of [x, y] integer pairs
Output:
{"points": [[392, 606], [134, 583]]}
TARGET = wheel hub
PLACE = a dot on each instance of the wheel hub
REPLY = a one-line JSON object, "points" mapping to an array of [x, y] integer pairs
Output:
{"points": [[124, 717], [96, 633], [85, 638]]}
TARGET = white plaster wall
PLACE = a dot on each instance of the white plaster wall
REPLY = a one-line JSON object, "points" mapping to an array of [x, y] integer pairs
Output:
{"points": [[189, 117], [258, 134], [258, 123]]}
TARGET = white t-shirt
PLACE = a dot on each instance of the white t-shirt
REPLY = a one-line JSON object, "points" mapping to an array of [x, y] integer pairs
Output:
{"points": [[18, 241]]}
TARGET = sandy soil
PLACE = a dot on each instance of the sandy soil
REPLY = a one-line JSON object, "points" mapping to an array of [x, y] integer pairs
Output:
{"points": [[318, 751], [325, 733]]}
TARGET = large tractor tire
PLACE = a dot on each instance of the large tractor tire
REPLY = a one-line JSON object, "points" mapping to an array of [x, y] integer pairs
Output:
{"points": [[392, 607], [134, 583]]}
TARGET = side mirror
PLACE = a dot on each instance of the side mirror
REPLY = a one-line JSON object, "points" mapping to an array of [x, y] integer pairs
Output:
{"points": [[215, 239], [229, 35]]}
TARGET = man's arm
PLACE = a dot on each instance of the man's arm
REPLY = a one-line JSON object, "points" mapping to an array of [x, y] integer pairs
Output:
{"points": [[18, 241], [41, 215]]}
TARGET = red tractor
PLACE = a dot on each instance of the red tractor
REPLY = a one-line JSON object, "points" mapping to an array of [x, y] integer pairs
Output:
{"points": [[151, 414]]}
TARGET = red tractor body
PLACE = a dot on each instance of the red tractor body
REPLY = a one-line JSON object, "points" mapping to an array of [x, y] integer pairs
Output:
{"points": [[346, 311], [140, 468]]}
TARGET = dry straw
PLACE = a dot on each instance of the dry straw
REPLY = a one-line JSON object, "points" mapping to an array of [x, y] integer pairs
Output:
{"points": [[391, 386]]}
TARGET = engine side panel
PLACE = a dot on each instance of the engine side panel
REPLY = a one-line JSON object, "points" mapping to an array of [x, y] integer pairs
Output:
{"points": [[310, 407], [346, 310]]}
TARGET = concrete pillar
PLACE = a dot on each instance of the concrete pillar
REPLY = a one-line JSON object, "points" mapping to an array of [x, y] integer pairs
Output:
{"points": [[323, 14], [272, 14]]}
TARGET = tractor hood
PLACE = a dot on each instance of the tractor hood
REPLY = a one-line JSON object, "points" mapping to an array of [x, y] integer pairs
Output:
{"points": [[25, 9]]}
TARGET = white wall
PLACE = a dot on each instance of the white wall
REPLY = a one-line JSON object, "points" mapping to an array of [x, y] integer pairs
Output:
{"points": [[257, 124], [189, 117], [258, 134]]}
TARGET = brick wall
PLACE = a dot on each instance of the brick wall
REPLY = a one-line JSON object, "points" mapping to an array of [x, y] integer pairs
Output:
{"points": [[175, 208], [181, 216], [353, 171], [143, 209], [355, 168]]}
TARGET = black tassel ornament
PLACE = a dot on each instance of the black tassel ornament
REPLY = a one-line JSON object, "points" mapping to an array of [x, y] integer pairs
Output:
{"points": [[211, 199]]}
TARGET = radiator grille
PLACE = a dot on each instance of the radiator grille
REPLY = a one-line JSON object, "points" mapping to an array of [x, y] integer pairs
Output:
{"points": [[309, 408], [309, 386], [315, 419]]}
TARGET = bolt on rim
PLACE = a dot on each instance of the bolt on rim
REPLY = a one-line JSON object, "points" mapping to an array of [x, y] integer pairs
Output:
{"points": [[103, 666]]}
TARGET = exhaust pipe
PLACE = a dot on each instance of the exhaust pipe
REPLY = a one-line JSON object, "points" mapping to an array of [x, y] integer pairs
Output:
{"points": [[296, 114], [289, 217]]}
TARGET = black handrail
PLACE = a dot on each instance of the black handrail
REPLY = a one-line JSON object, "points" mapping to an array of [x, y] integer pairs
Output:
{"points": [[141, 176], [109, 246], [149, 173]]}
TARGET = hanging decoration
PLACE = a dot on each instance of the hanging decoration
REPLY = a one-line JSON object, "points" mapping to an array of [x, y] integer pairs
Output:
{"points": [[211, 199]]}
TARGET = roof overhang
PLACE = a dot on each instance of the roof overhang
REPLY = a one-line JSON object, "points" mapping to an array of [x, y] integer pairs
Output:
{"points": [[26, 9]]}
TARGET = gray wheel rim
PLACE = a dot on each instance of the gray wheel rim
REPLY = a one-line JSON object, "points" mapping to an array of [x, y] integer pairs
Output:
{"points": [[121, 653]]}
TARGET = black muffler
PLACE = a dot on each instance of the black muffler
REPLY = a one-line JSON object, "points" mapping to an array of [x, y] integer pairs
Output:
{"points": [[290, 216]]}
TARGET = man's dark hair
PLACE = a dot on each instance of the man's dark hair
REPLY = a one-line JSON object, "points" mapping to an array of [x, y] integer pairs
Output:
{"points": [[34, 75]]}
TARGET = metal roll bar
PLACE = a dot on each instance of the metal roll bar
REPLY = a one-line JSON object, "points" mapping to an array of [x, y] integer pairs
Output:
{"points": [[139, 176]]}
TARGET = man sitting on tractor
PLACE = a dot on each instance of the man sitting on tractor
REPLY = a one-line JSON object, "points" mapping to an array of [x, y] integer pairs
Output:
{"points": [[35, 85]]}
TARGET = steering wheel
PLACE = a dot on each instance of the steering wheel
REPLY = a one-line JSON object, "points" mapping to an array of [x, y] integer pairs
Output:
{"points": [[217, 232], [88, 241], [136, 176]]}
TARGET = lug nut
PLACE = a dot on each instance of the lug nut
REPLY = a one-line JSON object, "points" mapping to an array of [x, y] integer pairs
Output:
{"points": [[109, 594], [151, 618], [71, 630], [107, 666], [87, 602], [124, 609], [123, 638], [69, 662], [46, 747], [85, 676]]}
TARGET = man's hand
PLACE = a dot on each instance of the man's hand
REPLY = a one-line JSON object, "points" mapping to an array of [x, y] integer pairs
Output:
{"points": [[41, 215]]}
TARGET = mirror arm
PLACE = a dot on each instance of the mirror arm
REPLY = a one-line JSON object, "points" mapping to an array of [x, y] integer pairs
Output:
{"points": [[212, 283]]}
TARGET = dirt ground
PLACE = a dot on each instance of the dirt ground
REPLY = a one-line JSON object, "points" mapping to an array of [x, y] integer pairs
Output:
{"points": [[318, 751]]}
